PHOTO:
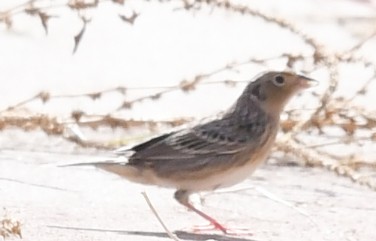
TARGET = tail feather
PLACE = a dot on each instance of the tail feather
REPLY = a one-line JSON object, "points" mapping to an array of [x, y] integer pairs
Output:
{"points": [[122, 169], [89, 164]]}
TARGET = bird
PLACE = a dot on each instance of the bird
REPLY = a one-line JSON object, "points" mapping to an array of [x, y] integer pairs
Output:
{"points": [[217, 153]]}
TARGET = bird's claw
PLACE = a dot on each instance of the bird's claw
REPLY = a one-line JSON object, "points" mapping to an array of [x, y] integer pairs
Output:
{"points": [[235, 231]]}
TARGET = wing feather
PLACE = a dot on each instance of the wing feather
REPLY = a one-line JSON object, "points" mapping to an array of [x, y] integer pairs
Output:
{"points": [[229, 135]]}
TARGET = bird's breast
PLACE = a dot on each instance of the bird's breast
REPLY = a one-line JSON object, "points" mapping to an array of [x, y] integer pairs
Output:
{"points": [[229, 173]]}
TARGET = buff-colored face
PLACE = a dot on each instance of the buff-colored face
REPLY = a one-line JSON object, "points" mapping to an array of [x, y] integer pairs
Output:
{"points": [[276, 88], [286, 83]]}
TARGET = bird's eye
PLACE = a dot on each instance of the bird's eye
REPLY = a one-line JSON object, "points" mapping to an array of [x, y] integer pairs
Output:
{"points": [[279, 80]]}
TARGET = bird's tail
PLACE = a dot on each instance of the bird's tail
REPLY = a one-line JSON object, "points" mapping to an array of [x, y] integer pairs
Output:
{"points": [[122, 169]]}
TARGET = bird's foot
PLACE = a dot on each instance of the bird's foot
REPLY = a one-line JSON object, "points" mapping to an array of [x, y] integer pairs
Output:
{"points": [[236, 231]]}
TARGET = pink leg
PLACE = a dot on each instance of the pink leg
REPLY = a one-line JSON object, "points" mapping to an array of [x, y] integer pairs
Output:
{"points": [[182, 197], [207, 217]]}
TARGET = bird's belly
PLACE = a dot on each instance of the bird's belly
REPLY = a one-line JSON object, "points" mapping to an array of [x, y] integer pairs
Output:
{"points": [[229, 177], [218, 179], [215, 176]]}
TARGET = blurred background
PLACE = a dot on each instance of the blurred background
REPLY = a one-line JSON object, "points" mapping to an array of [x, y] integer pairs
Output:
{"points": [[81, 76]]}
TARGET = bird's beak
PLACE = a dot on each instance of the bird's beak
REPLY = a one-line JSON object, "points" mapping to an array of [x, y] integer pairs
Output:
{"points": [[306, 82]]}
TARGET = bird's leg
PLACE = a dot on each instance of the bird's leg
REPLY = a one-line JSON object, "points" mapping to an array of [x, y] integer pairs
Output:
{"points": [[182, 196], [214, 222]]}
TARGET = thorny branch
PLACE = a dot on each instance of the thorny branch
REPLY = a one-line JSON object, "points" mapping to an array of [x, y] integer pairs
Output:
{"points": [[357, 123]]}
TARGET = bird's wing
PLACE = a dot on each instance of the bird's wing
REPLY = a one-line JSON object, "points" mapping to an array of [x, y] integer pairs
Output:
{"points": [[126, 150], [225, 136], [215, 139]]}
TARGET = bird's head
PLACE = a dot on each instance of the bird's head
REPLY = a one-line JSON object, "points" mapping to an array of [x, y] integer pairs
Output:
{"points": [[274, 89]]}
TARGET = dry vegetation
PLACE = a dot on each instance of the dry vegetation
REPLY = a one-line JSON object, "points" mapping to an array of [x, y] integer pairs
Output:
{"points": [[9, 228], [356, 123]]}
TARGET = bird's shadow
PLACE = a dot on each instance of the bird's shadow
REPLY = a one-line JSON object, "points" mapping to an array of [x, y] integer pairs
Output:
{"points": [[183, 235]]}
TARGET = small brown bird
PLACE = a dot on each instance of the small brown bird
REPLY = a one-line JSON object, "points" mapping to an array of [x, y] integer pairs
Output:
{"points": [[218, 153]]}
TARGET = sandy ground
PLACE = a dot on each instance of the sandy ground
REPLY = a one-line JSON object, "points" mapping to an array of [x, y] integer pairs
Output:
{"points": [[55, 203], [82, 203]]}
